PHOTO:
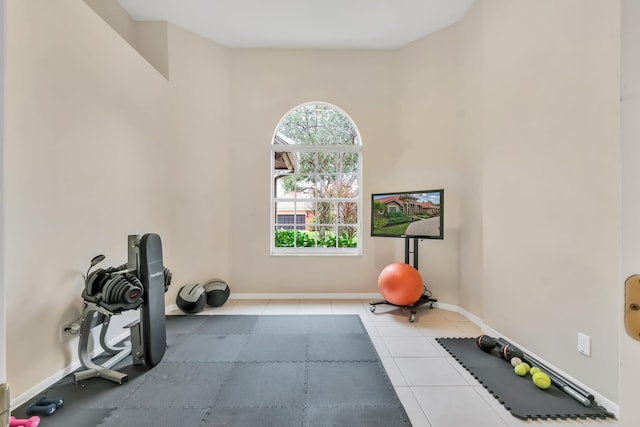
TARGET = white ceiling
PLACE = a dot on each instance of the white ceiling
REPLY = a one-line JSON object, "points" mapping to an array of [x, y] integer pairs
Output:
{"points": [[322, 24]]}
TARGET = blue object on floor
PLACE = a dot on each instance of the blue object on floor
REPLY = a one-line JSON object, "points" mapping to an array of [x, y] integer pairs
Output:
{"points": [[45, 401], [45, 410]]}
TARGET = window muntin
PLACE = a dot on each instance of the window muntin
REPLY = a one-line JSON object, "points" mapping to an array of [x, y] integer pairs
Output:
{"points": [[291, 221], [316, 171]]}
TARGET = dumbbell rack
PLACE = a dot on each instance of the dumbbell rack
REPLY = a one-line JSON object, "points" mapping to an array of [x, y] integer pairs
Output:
{"points": [[92, 370], [147, 343]]}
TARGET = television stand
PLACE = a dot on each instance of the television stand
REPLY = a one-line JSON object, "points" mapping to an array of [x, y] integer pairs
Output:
{"points": [[424, 299]]}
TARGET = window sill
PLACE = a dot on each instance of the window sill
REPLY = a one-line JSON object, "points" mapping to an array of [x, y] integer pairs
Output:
{"points": [[315, 252]]}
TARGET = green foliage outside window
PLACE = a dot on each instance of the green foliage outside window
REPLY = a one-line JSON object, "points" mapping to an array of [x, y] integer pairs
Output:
{"points": [[328, 176], [297, 238]]}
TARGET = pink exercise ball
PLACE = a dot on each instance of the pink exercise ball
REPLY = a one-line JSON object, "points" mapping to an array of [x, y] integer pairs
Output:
{"points": [[400, 284]]}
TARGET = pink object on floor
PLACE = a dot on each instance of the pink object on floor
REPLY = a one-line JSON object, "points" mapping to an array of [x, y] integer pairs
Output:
{"points": [[31, 422]]}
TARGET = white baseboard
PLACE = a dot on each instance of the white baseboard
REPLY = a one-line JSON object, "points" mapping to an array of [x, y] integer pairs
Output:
{"points": [[317, 296], [35, 390], [307, 296], [48, 382], [449, 307], [172, 307]]}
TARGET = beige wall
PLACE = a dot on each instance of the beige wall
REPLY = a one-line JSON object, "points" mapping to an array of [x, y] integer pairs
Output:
{"points": [[148, 38], [551, 180], [86, 164], [630, 348], [514, 111], [152, 41], [428, 147], [3, 319], [520, 103], [266, 85], [199, 160], [470, 128], [117, 17]]}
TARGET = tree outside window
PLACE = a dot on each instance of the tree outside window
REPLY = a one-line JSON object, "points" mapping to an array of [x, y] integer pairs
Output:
{"points": [[316, 164]]}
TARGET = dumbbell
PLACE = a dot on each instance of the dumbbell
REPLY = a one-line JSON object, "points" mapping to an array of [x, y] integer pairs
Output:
{"points": [[31, 422], [45, 406], [43, 400]]}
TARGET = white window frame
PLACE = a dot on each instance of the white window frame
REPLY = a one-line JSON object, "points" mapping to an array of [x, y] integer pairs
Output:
{"points": [[295, 149]]}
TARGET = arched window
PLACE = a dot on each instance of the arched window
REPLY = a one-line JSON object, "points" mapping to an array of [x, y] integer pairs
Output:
{"points": [[316, 177]]}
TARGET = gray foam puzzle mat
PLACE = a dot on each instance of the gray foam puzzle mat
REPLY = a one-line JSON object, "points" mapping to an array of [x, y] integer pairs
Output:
{"points": [[242, 370], [517, 394]]}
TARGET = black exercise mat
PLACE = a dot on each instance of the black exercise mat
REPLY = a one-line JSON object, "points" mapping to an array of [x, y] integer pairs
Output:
{"points": [[242, 370], [518, 394]]}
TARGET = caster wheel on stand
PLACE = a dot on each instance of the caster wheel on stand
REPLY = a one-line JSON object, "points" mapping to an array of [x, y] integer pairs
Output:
{"points": [[412, 318], [373, 308]]}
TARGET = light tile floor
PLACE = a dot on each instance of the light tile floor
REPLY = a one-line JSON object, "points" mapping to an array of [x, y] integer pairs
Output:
{"points": [[434, 389]]}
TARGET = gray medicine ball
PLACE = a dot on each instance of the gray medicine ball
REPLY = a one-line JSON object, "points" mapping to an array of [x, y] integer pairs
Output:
{"points": [[191, 298], [217, 292]]}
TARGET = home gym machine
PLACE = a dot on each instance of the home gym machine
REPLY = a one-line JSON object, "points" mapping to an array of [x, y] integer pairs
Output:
{"points": [[425, 297], [140, 284]]}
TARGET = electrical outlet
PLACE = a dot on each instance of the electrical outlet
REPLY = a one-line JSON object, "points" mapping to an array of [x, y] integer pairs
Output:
{"points": [[68, 331], [584, 344], [63, 335]]}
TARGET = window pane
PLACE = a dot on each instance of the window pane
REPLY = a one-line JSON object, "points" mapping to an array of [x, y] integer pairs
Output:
{"points": [[299, 184], [319, 124], [349, 162], [325, 213], [310, 209], [290, 216], [308, 162], [280, 186], [311, 237], [284, 162], [324, 135], [327, 236], [348, 236], [284, 238], [347, 186], [306, 184], [295, 186], [290, 238], [325, 186], [347, 213], [327, 162], [290, 222]]}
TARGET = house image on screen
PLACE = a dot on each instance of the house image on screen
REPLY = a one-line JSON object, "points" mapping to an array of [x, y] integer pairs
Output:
{"points": [[408, 205]]}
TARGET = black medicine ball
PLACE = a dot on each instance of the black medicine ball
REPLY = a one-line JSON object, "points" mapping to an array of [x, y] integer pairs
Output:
{"points": [[217, 292], [191, 298]]}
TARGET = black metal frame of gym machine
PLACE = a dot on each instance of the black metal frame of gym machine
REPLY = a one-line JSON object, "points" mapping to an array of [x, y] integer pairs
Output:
{"points": [[147, 334], [424, 298]]}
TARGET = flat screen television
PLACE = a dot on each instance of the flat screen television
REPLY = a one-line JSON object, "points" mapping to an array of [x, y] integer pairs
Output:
{"points": [[408, 214]]}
